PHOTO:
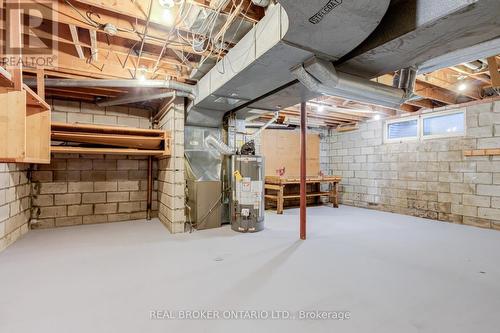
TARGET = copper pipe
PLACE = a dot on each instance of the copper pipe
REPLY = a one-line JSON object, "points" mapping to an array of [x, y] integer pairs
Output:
{"points": [[303, 171], [150, 187]]}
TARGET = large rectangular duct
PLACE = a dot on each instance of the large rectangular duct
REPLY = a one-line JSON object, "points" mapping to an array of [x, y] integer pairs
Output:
{"points": [[288, 35], [411, 34]]}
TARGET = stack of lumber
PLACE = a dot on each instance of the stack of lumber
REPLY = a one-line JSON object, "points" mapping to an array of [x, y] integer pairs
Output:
{"points": [[96, 139]]}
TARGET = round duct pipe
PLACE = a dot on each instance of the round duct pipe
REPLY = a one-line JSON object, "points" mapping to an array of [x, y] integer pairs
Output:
{"points": [[261, 3]]}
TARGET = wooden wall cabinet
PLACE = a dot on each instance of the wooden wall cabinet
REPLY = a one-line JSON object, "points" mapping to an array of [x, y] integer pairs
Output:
{"points": [[24, 126]]}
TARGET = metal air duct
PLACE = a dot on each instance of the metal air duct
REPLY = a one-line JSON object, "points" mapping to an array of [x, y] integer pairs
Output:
{"points": [[289, 34], [142, 98], [321, 77], [130, 83]]}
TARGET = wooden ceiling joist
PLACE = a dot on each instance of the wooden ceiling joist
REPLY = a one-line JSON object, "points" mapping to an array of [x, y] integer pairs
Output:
{"points": [[494, 74], [76, 41]]}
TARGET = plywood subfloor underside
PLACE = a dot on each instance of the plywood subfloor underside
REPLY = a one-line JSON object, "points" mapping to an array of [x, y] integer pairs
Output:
{"points": [[394, 273]]}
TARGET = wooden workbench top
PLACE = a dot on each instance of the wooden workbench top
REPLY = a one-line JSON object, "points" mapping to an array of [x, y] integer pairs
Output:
{"points": [[275, 180]]}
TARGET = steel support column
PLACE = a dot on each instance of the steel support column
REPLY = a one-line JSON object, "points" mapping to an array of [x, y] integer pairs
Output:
{"points": [[303, 171]]}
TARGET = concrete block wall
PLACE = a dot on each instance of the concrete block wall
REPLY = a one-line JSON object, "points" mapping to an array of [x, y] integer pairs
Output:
{"points": [[171, 172], [84, 189], [428, 178], [14, 202]]}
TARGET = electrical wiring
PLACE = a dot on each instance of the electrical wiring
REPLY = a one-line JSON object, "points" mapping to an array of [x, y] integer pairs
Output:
{"points": [[88, 18], [89, 21], [232, 40], [167, 40], [144, 38]]}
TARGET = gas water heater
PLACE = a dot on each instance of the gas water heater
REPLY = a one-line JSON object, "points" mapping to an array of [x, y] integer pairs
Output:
{"points": [[247, 193]]}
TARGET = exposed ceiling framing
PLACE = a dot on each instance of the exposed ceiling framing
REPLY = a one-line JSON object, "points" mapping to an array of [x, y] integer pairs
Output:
{"points": [[144, 43]]}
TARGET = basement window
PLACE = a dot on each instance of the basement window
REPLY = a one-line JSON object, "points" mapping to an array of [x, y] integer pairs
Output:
{"points": [[401, 130], [443, 125]]}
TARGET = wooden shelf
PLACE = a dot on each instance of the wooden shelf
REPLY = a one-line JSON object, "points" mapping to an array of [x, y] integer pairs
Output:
{"points": [[104, 151], [482, 152], [24, 124], [88, 128], [110, 140]]}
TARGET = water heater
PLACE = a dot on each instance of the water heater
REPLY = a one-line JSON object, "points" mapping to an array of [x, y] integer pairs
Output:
{"points": [[247, 193]]}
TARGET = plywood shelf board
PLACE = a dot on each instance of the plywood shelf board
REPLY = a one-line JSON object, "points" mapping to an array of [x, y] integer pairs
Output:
{"points": [[132, 141], [57, 126], [104, 151], [129, 141], [281, 150], [482, 152]]}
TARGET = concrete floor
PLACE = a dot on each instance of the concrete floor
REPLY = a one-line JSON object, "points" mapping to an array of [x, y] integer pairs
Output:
{"points": [[393, 273]]}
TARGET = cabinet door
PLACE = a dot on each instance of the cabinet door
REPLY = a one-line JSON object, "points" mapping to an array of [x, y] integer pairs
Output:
{"points": [[12, 126]]}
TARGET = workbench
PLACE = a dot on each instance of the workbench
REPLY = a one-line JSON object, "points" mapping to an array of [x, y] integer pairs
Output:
{"points": [[281, 191]]}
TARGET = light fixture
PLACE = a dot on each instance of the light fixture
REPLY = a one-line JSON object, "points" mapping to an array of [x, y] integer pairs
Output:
{"points": [[462, 86], [167, 3], [168, 18], [321, 108], [376, 117], [141, 76]]}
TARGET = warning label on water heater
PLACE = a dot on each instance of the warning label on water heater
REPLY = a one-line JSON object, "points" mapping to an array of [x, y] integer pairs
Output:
{"points": [[319, 16]]}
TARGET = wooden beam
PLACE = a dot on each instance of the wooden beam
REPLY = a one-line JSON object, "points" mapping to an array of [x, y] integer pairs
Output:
{"points": [[76, 41], [423, 103], [477, 76], [494, 74], [447, 80], [40, 83], [138, 9], [13, 11], [129, 28], [425, 90], [93, 42], [109, 54], [110, 65]]}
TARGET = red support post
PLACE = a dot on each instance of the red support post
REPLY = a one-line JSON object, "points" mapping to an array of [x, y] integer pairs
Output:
{"points": [[303, 171]]}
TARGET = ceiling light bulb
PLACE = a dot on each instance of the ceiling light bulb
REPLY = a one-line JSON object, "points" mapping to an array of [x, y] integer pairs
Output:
{"points": [[321, 108], [168, 18], [376, 117], [462, 86]]}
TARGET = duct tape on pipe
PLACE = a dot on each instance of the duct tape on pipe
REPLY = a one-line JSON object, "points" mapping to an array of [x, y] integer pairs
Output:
{"points": [[327, 9]]}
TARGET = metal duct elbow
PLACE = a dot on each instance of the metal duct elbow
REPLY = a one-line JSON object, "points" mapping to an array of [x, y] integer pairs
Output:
{"points": [[218, 145], [320, 76]]}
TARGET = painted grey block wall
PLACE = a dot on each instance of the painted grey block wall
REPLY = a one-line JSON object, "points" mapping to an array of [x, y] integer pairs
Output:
{"points": [[428, 178], [171, 172], [85, 189], [14, 202]]}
